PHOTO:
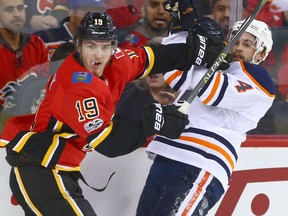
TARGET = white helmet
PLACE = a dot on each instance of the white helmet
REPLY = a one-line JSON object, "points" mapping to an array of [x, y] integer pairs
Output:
{"points": [[261, 31]]}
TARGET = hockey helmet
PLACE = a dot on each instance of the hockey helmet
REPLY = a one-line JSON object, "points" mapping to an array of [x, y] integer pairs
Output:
{"points": [[97, 26], [261, 31]]}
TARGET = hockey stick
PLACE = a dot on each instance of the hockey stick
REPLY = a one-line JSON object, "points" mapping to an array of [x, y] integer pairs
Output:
{"points": [[221, 57]]}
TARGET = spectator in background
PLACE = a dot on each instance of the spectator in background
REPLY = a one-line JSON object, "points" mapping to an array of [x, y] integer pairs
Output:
{"points": [[155, 22], [66, 32], [221, 14], [20, 53], [124, 16], [45, 14]]}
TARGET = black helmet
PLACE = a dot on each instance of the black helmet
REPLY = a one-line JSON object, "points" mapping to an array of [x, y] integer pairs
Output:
{"points": [[96, 26]]}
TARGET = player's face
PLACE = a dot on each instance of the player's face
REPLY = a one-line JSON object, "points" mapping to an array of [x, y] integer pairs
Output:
{"points": [[244, 48], [12, 15], [157, 17], [95, 55], [221, 13]]}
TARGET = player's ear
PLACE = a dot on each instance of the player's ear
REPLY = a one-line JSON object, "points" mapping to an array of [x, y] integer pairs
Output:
{"points": [[259, 57]]}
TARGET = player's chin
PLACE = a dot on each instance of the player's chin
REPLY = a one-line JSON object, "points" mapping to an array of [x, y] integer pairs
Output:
{"points": [[237, 58]]}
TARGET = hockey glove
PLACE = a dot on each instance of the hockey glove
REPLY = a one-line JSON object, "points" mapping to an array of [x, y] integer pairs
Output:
{"points": [[163, 120], [207, 27], [204, 50], [181, 12]]}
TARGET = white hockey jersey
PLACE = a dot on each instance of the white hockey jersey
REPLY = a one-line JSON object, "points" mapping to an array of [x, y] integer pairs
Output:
{"points": [[230, 104]]}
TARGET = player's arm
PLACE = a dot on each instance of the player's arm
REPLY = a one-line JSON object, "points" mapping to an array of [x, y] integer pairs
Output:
{"points": [[123, 136]]}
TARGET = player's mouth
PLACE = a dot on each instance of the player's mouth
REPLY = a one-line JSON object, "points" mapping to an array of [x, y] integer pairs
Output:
{"points": [[160, 21], [95, 63], [153, 77], [237, 58]]}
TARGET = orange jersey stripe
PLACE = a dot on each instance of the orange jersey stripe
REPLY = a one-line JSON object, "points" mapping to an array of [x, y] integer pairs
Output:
{"points": [[214, 89], [196, 194], [211, 146], [173, 76]]}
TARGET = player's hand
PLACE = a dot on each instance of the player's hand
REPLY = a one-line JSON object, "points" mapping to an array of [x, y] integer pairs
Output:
{"points": [[166, 97], [163, 120], [204, 50]]}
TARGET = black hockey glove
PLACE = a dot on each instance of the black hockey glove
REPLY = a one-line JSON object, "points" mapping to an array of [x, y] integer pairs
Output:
{"points": [[205, 49], [163, 120], [181, 12], [207, 27]]}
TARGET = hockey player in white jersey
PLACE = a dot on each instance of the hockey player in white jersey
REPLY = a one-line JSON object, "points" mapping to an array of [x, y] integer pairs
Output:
{"points": [[190, 174]]}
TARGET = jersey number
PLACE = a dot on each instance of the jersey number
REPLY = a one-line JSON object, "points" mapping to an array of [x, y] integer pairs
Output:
{"points": [[87, 109], [243, 87], [98, 22]]}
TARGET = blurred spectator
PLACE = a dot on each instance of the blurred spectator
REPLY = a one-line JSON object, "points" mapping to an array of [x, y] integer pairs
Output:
{"points": [[20, 53], [43, 14], [221, 14], [155, 22], [126, 14], [137, 4], [65, 33], [269, 14]]}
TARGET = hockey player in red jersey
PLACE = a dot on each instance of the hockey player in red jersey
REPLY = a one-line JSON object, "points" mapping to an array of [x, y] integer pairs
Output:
{"points": [[76, 115]]}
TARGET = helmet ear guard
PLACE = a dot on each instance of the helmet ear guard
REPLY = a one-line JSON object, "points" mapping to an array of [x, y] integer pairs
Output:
{"points": [[97, 26], [263, 35]]}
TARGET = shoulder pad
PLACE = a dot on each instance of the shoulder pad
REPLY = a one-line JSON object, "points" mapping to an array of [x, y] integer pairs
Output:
{"points": [[260, 75]]}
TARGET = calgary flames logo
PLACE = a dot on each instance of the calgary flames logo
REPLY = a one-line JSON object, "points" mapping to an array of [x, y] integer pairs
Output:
{"points": [[44, 6]]}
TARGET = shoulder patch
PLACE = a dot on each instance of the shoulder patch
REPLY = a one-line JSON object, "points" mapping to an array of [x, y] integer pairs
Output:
{"points": [[132, 38], [81, 77]]}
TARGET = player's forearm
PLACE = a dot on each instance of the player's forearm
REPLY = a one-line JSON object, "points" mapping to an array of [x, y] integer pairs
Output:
{"points": [[125, 137], [170, 57]]}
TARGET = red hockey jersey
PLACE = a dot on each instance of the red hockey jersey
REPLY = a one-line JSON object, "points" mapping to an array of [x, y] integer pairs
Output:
{"points": [[77, 105], [16, 65]]}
